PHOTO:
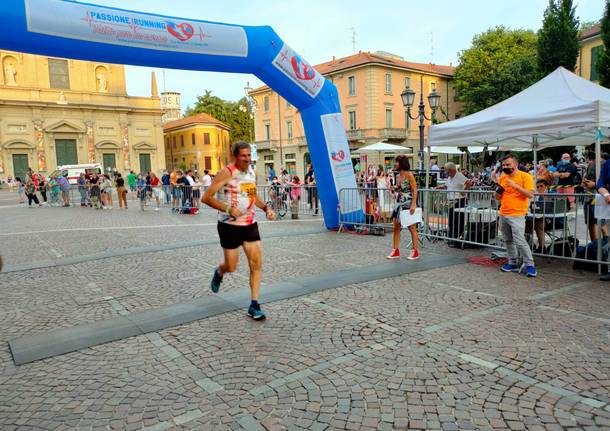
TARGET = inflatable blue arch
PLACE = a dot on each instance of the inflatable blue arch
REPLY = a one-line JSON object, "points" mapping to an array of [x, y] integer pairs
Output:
{"points": [[65, 28]]}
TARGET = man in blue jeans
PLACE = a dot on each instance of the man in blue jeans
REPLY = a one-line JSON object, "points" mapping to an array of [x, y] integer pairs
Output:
{"points": [[166, 187]]}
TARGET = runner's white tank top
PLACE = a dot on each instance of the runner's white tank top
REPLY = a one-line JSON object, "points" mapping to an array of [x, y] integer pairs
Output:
{"points": [[240, 193]]}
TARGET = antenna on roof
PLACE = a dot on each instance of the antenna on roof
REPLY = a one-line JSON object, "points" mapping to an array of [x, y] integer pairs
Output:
{"points": [[431, 48], [353, 40], [164, 80]]}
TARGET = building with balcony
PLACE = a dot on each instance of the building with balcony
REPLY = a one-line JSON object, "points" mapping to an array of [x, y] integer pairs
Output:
{"points": [[56, 111], [197, 142], [369, 87]]}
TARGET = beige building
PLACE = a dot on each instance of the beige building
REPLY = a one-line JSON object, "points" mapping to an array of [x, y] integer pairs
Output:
{"points": [[55, 111], [197, 142], [369, 86], [591, 46]]}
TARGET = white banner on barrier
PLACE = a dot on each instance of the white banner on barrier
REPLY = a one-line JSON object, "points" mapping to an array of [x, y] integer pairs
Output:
{"points": [[107, 25], [299, 71], [340, 159]]}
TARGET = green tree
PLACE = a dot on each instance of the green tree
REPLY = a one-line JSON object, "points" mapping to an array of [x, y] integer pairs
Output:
{"points": [[500, 63], [603, 60], [233, 114], [558, 37]]}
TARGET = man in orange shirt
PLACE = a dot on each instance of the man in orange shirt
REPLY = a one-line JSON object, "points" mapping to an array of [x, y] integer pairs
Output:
{"points": [[515, 189]]}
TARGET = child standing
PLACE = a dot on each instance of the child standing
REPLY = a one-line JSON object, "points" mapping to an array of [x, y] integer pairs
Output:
{"points": [[54, 188]]}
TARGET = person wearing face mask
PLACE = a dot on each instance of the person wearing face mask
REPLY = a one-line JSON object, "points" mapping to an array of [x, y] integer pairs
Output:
{"points": [[566, 177], [515, 189]]}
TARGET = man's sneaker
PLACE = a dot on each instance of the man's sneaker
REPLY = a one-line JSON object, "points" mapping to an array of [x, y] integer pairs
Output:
{"points": [[530, 271], [216, 280], [394, 255], [256, 313], [509, 267], [414, 255]]}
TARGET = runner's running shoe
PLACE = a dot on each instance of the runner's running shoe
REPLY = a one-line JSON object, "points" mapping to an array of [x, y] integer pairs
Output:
{"points": [[216, 280], [256, 313]]}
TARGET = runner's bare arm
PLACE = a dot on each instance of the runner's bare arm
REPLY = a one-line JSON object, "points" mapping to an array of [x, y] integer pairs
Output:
{"points": [[262, 205], [209, 197]]}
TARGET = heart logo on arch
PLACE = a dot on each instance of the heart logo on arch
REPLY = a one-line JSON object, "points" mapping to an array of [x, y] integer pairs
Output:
{"points": [[301, 69], [338, 156], [182, 32]]}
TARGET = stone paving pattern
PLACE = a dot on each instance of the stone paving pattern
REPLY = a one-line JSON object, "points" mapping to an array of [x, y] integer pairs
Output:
{"points": [[456, 348]]}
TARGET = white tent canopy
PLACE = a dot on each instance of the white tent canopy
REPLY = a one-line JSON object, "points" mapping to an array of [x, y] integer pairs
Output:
{"points": [[382, 147], [561, 109], [455, 150]]}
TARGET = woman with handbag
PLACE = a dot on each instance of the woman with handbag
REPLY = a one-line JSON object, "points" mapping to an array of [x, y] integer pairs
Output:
{"points": [[406, 198]]}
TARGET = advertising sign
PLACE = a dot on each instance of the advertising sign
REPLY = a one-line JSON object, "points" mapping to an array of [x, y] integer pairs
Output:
{"points": [[299, 71], [100, 24]]}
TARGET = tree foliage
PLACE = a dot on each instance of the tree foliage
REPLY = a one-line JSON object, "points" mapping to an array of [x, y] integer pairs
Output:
{"points": [[603, 61], [234, 114], [558, 37], [500, 63]]}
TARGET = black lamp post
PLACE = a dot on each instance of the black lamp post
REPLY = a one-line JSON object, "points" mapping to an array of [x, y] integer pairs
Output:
{"points": [[408, 97]]}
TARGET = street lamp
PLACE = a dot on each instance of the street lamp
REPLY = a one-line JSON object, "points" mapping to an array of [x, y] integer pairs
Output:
{"points": [[408, 97]]}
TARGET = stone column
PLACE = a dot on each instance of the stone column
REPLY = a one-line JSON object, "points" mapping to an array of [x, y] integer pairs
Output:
{"points": [[90, 143], [125, 139], [40, 150]]}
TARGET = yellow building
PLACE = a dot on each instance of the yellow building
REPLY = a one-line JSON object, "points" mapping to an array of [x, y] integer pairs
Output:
{"points": [[55, 111], [369, 87], [197, 142], [591, 46]]}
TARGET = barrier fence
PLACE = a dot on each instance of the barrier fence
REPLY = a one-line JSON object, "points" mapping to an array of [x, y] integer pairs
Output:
{"points": [[286, 200], [558, 225]]}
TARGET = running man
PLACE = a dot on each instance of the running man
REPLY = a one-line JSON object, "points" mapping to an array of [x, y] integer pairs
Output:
{"points": [[237, 225]]}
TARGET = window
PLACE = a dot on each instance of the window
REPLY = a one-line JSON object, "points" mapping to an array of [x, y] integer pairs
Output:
{"points": [[595, 52], [388, 118], [268, 158], [432, 86], [266, 103], [289, 129], [182, 140], [174, 141], [58, 73], [352, 120], [388, 83], [351, 86], [407, 82], [193, 138], [267, 132], [206, 139], [207, 163]]}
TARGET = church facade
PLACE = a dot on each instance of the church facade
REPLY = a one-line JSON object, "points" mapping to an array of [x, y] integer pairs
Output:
{"points": [[56, 112]]}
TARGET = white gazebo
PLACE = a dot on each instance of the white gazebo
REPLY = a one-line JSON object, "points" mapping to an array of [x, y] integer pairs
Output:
{"points": [[561, 109]]}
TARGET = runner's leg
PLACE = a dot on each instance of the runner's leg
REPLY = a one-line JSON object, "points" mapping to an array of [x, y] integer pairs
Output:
{"points": [[255, 261], [231, 257]]}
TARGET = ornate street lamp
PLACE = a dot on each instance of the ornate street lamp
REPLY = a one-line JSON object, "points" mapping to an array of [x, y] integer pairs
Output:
{"points": [[408, 98]]}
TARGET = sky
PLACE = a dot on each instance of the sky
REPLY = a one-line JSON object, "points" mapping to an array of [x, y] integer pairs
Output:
{"points": [[319, 30]]}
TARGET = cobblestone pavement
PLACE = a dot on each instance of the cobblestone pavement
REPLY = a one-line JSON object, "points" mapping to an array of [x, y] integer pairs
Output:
{"points": [[455, 348]]}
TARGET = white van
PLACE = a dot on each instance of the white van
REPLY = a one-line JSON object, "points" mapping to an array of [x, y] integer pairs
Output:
{"points": [[72, 172]]}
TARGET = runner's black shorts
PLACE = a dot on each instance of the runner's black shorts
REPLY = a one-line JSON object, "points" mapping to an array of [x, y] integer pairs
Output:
{"points": [[232, 236]]}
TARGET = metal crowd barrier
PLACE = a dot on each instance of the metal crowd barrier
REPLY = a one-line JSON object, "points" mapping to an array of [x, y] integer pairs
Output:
{"points": [[291, 201], [558, 225], [288, 201]]}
